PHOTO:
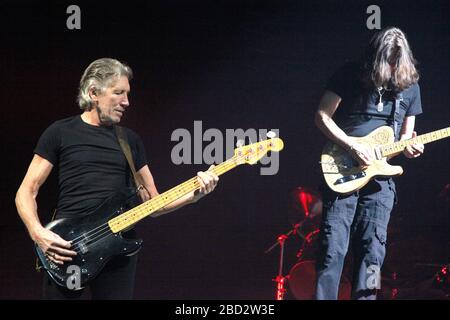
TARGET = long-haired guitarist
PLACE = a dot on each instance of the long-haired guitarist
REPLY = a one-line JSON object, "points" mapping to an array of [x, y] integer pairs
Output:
{"points": [[381, 89], [92, 167]]}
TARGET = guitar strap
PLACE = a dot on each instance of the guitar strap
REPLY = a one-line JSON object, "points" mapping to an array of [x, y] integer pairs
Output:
{"points": [[394, 117], [123, 141]]}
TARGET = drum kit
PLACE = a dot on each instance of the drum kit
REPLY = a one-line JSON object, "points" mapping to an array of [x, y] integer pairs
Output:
{"points": [[304, 215]]}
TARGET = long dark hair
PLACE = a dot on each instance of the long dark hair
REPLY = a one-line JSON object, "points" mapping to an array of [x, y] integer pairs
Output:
{"points": [[389, 47]]}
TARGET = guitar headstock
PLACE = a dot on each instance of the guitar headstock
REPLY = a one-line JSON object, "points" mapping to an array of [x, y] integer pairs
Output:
{"points": [[252, 153]]}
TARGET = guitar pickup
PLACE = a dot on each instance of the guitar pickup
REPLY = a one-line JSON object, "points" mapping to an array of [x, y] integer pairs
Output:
{"points": [[83, 248], [350, 178]]}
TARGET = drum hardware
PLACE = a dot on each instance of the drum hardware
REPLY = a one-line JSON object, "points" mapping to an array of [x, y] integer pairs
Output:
{"points": [[305, 213], [304, 210], [280, 279]]}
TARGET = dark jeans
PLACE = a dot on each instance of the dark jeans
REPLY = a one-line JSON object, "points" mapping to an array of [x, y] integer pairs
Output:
{"points": [[115, 281], [361, 218]]}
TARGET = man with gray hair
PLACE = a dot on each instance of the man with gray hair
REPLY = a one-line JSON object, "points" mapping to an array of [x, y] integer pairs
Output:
{"points": [[91, 168]]}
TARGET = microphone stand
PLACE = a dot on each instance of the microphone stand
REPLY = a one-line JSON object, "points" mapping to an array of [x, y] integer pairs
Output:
{"points": [[280, 279]]}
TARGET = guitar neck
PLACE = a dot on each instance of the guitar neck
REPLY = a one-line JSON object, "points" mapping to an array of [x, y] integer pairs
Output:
{"points": [[399, 146], [145, 209]]}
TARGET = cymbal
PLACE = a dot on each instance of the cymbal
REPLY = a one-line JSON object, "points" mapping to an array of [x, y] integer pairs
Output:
{"points": [[304, 203]]}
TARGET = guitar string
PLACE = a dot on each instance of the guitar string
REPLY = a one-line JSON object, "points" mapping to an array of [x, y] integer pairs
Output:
{"points": [[105, 227], [421, 138], [101, 233], [158, 200], [105, 231], [431, 136], [87, 234], [95, 234]]}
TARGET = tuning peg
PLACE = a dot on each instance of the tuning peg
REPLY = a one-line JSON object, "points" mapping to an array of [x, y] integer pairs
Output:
{"points": [[239, 143], [271, 134]]}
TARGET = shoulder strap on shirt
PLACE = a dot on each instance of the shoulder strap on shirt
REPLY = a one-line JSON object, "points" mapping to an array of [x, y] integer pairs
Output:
{"points": [[395, 114], [123, 141]]}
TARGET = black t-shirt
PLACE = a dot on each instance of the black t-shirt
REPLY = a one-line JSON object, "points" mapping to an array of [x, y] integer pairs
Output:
{"points": [[91, 164], [357, 114]]}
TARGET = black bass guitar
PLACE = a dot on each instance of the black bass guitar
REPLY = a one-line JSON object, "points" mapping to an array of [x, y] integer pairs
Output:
{"points": [[98, 237]]}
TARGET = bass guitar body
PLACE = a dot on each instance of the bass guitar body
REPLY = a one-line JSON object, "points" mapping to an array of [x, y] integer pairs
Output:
{"points": [[94, 242]]}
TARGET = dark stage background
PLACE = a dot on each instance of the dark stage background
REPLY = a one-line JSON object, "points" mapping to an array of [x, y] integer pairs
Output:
{"points": [[231, 64]]}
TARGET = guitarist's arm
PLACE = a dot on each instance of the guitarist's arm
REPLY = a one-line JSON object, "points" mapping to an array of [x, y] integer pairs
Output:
{"points": [[407, 132], [324, 121], [51, 244], [207, 180]]}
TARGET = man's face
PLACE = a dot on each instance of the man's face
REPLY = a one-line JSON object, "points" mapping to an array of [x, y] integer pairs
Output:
{"points": [[112, 101]]}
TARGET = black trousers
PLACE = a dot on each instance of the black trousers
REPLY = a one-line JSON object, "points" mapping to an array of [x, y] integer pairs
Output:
{"points": [[115, 282]]}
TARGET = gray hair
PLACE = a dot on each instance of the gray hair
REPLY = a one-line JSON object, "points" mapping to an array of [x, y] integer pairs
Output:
{"points": [[100, 74]]}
